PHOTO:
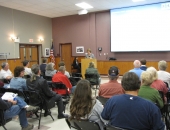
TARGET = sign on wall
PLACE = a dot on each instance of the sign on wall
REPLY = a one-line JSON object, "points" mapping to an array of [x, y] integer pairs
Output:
{"points": [[80, 49], [47, 52]]}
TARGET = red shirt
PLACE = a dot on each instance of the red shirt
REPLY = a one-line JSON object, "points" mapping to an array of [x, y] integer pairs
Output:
{"points": [[60, 77]]}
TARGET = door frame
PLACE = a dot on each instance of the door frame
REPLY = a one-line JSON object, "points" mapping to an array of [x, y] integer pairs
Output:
{"points": [[60, 50]]}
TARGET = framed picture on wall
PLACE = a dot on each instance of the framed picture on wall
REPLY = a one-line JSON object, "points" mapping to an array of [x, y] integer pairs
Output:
{"points": [[47, 52], [80, 49]]}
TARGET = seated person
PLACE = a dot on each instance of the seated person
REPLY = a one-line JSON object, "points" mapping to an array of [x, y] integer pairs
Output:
{"points": [[5, 73], [107, 90], [137, 69], [162, 73], [76, 64], [128, 111], [89, 54], [27, 70], [49, 70], [143, 64], [43, 66], [39, 84], [84, 106], [147, 92], [66, 72], [17, 82], [11, 109], [92, 70], [60, 77], [157, 83]]}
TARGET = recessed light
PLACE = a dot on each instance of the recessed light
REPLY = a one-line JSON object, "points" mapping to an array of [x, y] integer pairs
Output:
{"points": [[84, 5], [138, 0]]}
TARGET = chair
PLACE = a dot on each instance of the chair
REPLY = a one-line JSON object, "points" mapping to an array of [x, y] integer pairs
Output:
{"points": [[109, 127], [93, 79], [35, 99], [3, 121], [49, 80], [27, 76], [82, 124], [102, 100], [61, 89]]}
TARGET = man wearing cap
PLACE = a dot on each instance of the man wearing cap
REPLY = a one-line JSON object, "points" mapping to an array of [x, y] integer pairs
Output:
{"points": [[111, 88], [27, 70]]}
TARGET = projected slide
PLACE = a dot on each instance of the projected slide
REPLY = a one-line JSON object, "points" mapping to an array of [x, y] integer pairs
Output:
{"points": [[141, 28]]}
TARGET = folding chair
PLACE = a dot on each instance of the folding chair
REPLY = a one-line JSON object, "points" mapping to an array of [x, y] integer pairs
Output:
{"points": [[93, 79], [3, 121], [35, 99], [27, 76], [61, 89], [49, 80], [109, 127], [102, 100]]}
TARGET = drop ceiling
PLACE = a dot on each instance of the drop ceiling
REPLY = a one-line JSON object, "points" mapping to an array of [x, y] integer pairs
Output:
{"points": [[58, 8]]}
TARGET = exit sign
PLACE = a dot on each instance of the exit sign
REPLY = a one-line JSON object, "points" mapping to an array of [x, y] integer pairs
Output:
{"points": [[30, 40]]}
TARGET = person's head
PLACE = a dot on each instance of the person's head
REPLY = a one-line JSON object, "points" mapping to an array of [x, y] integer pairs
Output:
{"points": [[25, 63], [35, 71], [136, 64], [113, 73], [146, 78], [44, 60], [19, 71], [62, 69], [162, 65], [130, 82], [61, 63], [143, 61], [91, 65], [89, 51], [5, 66], [50, 66], [75, 58], [81, 103], [153, 73]]}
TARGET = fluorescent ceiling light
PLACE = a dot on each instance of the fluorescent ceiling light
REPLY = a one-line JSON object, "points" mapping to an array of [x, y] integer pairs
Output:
{"points": [[138, 0], [84, 5], [81, 12]]}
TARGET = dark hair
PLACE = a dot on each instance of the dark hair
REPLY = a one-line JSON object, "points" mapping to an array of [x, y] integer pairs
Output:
{"points": [[82, 101], [18, 70], [61, 64], [25, 62], [143, 61], [44, 60], [130, 81]]}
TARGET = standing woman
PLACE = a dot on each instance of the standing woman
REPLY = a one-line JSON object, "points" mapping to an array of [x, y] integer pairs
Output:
{"points": [[83, 106], [76, 64], [89, 54]]}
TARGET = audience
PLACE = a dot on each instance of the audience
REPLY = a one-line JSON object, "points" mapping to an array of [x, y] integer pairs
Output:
{"points": [[111, 88], [60, 77], [40, 84], [157, 84], [137, 69], [92, 70], [12, 109], [162, 73], [66, 72], [83, 106], [128, 111], [27, 70], [143, 64], [76, 64], [5, 73], [50, 71], [43, 66], [147, 92], [17, 82]]}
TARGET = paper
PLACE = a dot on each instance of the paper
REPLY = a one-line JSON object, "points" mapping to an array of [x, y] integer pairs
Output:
{"points": [[8, 96]]}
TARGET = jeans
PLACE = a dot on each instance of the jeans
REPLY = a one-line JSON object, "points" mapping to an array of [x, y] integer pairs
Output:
{"points": [[20, 102], [72, 89], [16, 110]]}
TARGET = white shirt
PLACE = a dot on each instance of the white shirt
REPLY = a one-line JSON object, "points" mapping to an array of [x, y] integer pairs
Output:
{"points": [[164, 76], [67, 74], [28, 71], [4, 73]]}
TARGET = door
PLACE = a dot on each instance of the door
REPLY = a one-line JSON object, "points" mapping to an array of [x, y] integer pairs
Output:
{"points": [[66, 50], [29, 52]]}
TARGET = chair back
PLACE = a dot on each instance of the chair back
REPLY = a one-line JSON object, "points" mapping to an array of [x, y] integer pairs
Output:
{"points": [[109, 127], [27, 76], [16, 91], [48, 78], [60, 88], [82, 124], [92, 78], [3, 121], [167, 85], [102, 100]]}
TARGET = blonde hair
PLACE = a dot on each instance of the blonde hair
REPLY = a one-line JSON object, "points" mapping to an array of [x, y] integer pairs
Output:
{"points": [[91, 65], [89, 50], [162, 65], [153, 72], [146, 78]]}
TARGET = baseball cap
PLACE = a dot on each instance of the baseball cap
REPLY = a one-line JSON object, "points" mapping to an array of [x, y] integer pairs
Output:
{"points": [[113, 71]]}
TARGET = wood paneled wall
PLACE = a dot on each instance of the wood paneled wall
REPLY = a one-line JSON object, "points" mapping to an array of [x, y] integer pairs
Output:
{"points": [[102, 66]]}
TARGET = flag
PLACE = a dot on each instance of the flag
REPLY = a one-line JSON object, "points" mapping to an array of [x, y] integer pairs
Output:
{"points": [[52, 54]]}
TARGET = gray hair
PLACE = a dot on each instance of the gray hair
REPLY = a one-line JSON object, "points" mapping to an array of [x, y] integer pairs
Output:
{"points": [[136, 63], [162, 65], [113, 77], [50, 66], [153, 72], [35, 70], [146, 78], [62, 68], [4, 64]]}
